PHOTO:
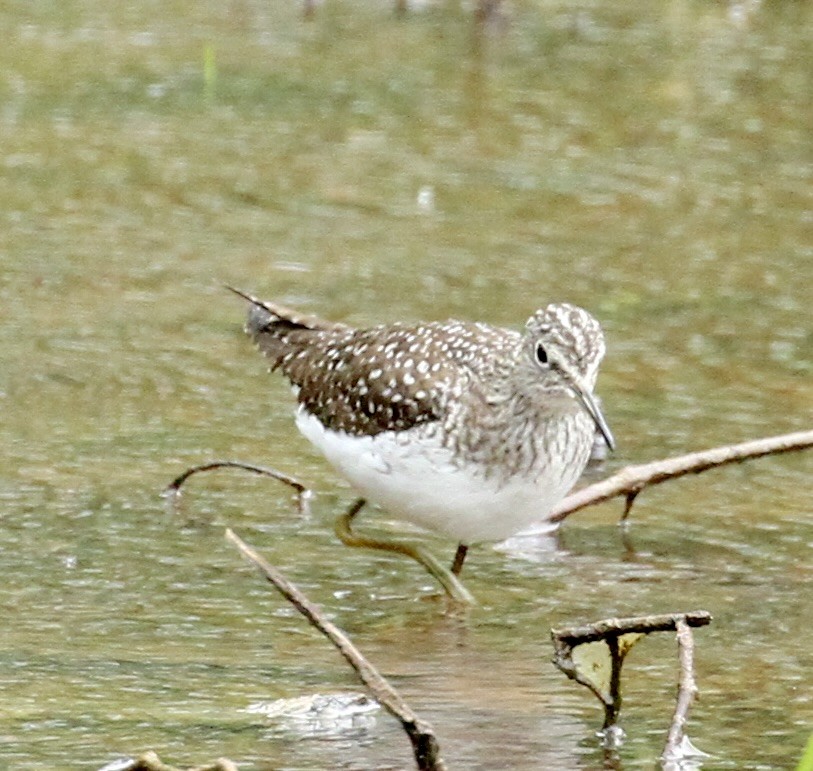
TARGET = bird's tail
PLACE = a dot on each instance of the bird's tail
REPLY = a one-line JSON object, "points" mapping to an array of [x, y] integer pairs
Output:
{"points": [[272, 326]]}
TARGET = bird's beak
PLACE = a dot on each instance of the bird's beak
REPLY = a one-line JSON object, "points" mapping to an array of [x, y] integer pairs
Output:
{"points": [[591, 405]]}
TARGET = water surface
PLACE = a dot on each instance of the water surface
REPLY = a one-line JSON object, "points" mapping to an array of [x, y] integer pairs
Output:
{"points": [[652, 163]]}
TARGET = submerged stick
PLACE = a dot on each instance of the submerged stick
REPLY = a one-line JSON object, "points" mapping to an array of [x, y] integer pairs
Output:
{"points": [[424, 744], [630, 481]]}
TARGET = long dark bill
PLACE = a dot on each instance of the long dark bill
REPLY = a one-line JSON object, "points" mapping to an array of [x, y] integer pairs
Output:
{"points": [[589, 403]]}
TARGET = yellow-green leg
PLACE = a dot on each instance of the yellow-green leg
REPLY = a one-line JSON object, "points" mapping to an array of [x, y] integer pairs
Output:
{"points": [[447, 578]]}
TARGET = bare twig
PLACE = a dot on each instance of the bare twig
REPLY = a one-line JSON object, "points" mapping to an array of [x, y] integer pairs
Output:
{"points": [[569, 637], [424, 744], [633, 479], [611, 631], [173, 490], [687, 690]]}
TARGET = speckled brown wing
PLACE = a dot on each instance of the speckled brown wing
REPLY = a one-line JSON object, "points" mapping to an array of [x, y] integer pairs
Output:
{"points": [[366, 381]]}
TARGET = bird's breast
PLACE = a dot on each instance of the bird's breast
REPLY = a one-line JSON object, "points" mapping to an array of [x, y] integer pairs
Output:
{"points": [[418, 475]]}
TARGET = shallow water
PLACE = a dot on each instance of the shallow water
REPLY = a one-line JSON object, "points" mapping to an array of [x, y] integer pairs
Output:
{"points": [[652, 163]]}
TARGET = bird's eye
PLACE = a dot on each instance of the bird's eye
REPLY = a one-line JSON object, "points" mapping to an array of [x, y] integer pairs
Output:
{"points": [[541, 354]]}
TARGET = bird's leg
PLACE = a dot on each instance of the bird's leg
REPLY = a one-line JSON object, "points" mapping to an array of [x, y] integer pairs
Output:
{"points": [[445, 577], [459, 557]]}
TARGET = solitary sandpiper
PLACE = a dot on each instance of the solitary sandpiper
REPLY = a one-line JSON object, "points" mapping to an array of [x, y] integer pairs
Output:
{"points": [[463, 428]]}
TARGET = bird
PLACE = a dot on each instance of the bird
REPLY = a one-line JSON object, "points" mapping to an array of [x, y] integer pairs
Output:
{"points": [[463, 428]]}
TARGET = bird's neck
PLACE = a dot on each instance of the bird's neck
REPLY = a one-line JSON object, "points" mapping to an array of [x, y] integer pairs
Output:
{"points": [[511, 432]]}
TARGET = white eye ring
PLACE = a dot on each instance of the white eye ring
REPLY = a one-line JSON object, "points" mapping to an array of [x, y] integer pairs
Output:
{"points": [[541, 354]]}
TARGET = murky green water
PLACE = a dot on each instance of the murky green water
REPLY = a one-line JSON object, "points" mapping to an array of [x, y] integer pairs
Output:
{"points": [[653, 162]]}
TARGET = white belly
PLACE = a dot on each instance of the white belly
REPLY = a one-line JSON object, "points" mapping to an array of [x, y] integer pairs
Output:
{"points": [[418, 481]]}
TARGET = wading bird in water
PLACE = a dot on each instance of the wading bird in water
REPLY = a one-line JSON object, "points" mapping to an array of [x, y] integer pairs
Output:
{"points": [[467, 429]]}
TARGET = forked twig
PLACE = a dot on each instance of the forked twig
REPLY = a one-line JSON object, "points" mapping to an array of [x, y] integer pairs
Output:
{"points": [[173, 490], [424, 744], [606, 686], [630, 481]]}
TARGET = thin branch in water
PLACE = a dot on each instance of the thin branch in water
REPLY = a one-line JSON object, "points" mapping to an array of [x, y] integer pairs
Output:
{"points": [[599, 670], [663, 622], [677, 743], [630, 481], [424, 744], [172, 492]]}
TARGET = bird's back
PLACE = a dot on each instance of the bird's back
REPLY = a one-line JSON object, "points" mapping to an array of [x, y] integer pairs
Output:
{"points": [[384, 378]]}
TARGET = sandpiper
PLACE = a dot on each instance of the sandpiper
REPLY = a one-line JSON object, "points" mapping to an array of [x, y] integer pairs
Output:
{"points": [[464, 428]]}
